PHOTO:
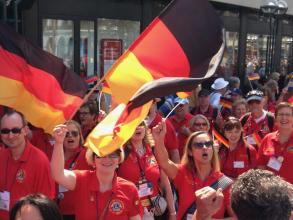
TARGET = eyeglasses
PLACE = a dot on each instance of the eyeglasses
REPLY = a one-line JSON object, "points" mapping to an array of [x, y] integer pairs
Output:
{"points": [[202, 144], [284, 115], [200, 124], [111, 156], [13, 130], [72, 133]]}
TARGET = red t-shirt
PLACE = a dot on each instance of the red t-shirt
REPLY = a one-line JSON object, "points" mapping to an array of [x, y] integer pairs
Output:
{"points": [[186, 184], [41, 140], [130, 170], [76, 162], [271, 147], [236, 162], [177, 125], [29, 174], [89, 202], [171, 141]]}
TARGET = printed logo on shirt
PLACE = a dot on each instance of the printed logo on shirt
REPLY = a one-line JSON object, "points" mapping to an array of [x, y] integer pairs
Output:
{"points": [[20, 175], [116, 206], [152, 161]]}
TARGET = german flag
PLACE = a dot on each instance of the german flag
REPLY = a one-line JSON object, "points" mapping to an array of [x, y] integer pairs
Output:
{"points": [[226, 102], [37, 83], [253, 76], [220, 137], [180, 48], [257, 139]]}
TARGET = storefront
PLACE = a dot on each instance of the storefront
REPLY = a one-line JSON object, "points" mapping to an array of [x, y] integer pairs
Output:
{"points": [[89, 35]]}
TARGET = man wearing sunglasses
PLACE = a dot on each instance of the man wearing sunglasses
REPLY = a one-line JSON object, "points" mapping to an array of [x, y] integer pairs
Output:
{"points": [[24, 169]]}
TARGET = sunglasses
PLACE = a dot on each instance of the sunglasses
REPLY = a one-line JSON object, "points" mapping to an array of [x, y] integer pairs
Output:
{"points": [[200, 124], [111, 156], [202, 144], [13, 130], [72, 133]]}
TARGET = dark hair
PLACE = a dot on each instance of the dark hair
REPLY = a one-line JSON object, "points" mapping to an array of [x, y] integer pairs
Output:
{"points": [[48, 209], [11, 111], [92, 106], [283, 105], [231, 123], [259, 194]]}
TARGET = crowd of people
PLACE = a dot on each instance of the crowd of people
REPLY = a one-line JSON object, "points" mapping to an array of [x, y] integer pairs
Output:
{"points": [[219, 155]]}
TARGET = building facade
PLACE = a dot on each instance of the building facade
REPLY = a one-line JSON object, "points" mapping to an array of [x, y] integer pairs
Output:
{"points": [[89, 35]]}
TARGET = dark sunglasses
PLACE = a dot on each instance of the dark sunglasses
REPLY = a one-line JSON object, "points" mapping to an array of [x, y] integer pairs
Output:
{"points": [[112, 155], [200, 124], [202, 144], [71, 133], [13, 130]]}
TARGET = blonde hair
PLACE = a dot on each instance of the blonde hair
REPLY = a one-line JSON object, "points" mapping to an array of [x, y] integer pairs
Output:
{"points": [[200, 116], [77, 125], [188, 160]]}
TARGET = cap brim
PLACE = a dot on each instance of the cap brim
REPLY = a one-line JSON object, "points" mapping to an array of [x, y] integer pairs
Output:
{"points": [[221, 87], [257, 98]]}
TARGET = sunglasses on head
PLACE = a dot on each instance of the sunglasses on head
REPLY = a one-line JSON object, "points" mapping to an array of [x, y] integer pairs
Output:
{"points": [[202, 144], [112, 155], [71, 133], [13, 130]]}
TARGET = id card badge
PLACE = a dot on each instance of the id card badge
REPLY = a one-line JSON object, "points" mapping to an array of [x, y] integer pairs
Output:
{"points": [[62, 189], [274, 163], [238, 164], [4, 200], [145, 189], [250, 140]]}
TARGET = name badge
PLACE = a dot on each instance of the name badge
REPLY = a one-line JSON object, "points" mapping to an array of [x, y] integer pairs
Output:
{"points": [[238, 164], [62, 189], [189, 216], [250, 140], [274, 163], [145, 189], [4, 200]]}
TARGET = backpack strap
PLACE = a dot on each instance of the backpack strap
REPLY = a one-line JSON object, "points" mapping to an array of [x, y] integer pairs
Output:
{"points": [[271, 120], [223, 182], [244, 119]]}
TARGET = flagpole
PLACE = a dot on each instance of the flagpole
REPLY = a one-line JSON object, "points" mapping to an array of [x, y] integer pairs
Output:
{"points": [[85, 98], [172, 110]]}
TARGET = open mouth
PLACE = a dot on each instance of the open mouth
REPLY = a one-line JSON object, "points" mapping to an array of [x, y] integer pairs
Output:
{"points": [[205, 155]]}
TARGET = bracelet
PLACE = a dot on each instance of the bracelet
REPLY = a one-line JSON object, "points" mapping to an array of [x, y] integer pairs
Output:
{"points": [[172, 213]]}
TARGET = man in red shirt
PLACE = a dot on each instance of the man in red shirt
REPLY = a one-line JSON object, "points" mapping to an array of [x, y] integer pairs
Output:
{"points": [[24, 169], [276, 149], [180, 122], [171, 141], [258, 121]]}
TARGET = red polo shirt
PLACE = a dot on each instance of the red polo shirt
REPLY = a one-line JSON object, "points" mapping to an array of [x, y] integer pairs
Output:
{"points": [[171, 142], [89, 202], [251, 126], [41, 140], [236, 162], [76, 162], [29, 174], [130, 170], [186, 184], [271, 147], [177, 125]]}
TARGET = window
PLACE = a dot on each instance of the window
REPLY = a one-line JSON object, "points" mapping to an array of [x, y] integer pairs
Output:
{"points": [[114, 37], [58, 39], [87, 48], [286, 55]]}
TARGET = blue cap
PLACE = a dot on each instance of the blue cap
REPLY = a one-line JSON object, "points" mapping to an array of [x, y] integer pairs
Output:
{"points": [[181, 101]]}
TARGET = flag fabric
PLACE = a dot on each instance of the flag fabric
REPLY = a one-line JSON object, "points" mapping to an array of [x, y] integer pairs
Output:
{"points": [[180, 48], [253, 76], [257, 138], [37, 83], [220, 137], [290, 100], [226, 102]]}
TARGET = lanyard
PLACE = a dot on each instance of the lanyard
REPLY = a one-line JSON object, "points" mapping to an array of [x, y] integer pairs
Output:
{"points": [[104, 212], [72, 164]]}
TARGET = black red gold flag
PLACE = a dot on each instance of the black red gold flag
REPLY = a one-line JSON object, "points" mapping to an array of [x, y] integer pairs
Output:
{"points": [[37, 83]]}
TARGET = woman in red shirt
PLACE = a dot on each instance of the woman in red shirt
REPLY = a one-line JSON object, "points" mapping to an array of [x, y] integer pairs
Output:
{"points": [[141, 168], [240, 156], [199, 168], [99, 193]]}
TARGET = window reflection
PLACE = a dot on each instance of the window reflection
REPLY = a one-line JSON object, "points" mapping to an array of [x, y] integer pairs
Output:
{"points": [[87, 48], [58, 39], [256, 48], [229, 62], [114, 37], [286, 55]]}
